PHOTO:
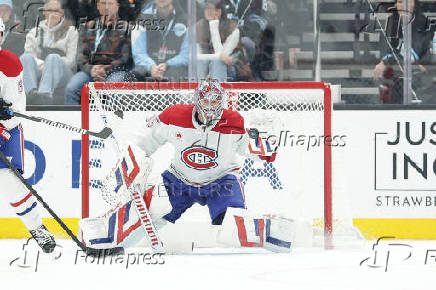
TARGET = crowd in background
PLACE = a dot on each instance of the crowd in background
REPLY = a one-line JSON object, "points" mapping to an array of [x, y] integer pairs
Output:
{"points": [[64, 44]]}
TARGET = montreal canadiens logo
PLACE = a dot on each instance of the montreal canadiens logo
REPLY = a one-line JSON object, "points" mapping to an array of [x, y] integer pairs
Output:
{"points": [[199, 157]]}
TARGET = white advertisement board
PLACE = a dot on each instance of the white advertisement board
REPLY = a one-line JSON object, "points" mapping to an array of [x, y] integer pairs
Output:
{"points": [[388, 165], [52, 163], [384, 166]]}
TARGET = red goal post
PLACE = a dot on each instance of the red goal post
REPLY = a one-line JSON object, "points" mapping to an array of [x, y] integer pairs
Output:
{"points": [[261, 88]]}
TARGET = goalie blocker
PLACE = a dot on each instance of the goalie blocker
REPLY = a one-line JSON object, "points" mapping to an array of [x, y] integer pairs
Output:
{"points": [[121, 226]]}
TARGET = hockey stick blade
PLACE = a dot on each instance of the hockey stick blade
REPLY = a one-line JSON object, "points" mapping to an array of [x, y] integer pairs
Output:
{"points": [[104, 252], [119, 114], [103, 134], [89, 251]]}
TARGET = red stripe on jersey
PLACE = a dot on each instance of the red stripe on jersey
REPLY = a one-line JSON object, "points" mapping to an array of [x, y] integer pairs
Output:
{"points": [[231, 123], [178, 115], [18, 203], [10, 64]]}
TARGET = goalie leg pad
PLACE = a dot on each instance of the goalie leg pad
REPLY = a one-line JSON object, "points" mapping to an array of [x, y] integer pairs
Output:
{"points": [[23, 203], [133, 168], [241, 228], [121, 226]]}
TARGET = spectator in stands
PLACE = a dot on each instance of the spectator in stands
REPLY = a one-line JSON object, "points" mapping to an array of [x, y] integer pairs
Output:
{"points": [[13, 38], [82, 11], [282, 39], [49, 55], [104, 51], [289, 34], [251, 21], [86, 10], [264, 57], [160, 48], [5, 9], [392, 51], [217, 38]]}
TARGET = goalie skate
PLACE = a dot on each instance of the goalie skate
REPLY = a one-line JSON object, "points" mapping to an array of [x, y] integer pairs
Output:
{"points": [[44, 239]]}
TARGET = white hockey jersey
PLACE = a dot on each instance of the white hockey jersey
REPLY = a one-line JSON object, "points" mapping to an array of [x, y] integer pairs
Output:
{"points": [[11, 85], [201, 155]]}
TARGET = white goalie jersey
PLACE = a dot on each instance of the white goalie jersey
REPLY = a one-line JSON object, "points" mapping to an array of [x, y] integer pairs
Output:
{"points": [[201, 155]]}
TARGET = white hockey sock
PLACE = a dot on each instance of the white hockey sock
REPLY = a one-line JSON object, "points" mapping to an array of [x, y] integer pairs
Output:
{"points": [[23, 203]]}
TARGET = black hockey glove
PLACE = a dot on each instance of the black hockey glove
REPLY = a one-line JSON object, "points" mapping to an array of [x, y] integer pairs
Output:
{"points": [[5, 113]]}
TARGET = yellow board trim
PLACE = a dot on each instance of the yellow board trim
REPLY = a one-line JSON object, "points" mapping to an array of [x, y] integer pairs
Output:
{"points": [[404, 229], [408, 229], [13, 228]]}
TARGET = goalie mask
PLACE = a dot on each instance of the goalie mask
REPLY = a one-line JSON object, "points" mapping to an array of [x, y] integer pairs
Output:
{"points": [[209, 98]]}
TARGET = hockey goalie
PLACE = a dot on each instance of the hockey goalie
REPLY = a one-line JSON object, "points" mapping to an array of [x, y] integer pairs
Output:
{"points": [[207, 139]]}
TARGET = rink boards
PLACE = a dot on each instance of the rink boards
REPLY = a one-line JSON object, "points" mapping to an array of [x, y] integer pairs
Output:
{"points": [[384, 172]]}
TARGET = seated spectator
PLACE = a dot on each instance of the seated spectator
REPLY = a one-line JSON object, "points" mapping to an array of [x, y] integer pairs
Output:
{"points": [[217, 38], [13, 39], [86, 10], [281, 39], [264, 57], [49, 55], [160, 51], [288, 34], [104, 51], [251, 21], [5, 9], [392, 52], [82, 11]]}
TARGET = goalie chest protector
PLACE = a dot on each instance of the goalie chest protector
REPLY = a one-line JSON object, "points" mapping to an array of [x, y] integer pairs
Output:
{"points": [[202, 155]]}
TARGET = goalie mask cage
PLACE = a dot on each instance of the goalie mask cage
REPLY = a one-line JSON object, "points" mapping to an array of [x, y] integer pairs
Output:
{"points": [[301, 177]]}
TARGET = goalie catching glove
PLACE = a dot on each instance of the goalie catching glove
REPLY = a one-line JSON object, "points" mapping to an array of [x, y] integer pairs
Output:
{"points": [[5, 114], [261, 147]]}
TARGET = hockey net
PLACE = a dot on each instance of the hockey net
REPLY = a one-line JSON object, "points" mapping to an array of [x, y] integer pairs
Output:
{"points": [[294, 116]]}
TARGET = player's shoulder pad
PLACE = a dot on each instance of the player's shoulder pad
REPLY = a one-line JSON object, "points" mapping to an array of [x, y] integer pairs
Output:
{"points": [[231, 123], [10, 64], [178, 115]]}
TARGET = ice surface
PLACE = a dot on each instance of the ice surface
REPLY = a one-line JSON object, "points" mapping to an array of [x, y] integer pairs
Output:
{"points": [[304, 268]]}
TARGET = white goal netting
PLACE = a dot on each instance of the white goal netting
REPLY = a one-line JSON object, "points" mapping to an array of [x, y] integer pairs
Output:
{"points": [[296, 117]]}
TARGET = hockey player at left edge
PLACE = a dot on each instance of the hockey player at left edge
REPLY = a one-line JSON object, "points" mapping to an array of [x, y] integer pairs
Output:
{"points": [[12, 96]]}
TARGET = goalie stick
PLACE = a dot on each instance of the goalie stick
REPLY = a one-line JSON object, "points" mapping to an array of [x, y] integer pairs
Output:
{"points": [[134, 190], [87, 250], [103, 134]]}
